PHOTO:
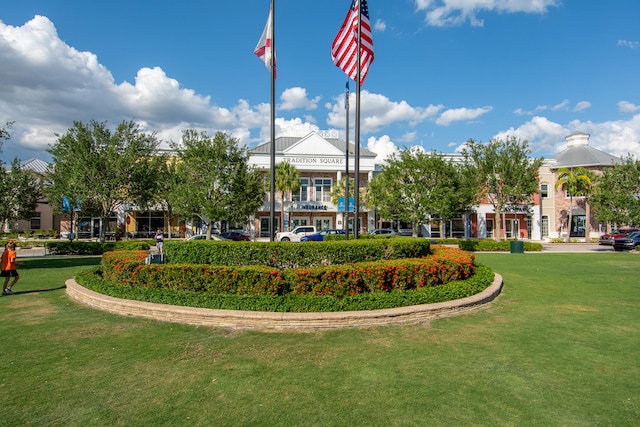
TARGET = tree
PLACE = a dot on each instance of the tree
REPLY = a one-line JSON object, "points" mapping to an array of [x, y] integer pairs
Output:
{"points": [[414, 185], [287, 181], [20, 191], [102, 169], [502, 173], [576, 182], [214, 179], [616, 194], [4, 133]]}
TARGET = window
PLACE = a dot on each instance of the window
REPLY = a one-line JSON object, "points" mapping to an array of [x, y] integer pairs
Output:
{"points": [[35, 221], [544, 190], [545, 226], [303, 194], [323, 189]]}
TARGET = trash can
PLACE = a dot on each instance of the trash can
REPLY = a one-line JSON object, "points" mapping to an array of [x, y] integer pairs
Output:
{"points": [[155, 259], [517, 247]]}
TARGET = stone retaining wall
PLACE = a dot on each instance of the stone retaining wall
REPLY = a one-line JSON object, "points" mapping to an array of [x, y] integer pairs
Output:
{"points": [[258, 320]]}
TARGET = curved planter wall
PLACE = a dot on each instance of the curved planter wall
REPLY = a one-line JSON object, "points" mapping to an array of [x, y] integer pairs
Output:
{"points": [[258, 320]]}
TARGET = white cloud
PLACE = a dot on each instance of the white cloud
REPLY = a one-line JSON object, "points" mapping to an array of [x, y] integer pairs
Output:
{"points": [[457, 114], [45, 84], [382, 146], [441, 13], [618, 137], [627, 107], [378, 111], [629, 44], [582, 105], [296, 97], [542, 134], [380, 25], [563, 105]]}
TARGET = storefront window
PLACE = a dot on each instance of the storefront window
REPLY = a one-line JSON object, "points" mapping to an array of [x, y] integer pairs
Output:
{"points": [[303, 194]]}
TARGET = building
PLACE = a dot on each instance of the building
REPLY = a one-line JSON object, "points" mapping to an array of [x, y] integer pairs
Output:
{"points": [[554, 205], [320, 158]]}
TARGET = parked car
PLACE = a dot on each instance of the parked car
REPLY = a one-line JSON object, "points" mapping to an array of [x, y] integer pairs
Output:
{"points": [[608, 239], [383, 231], [629, 242], [319, 236], [204, 237], [235, 236], [296, 234]]}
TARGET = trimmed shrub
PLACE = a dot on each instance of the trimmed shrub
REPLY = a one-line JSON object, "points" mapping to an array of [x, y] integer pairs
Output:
{"points": [[126, 268], [483, 277], [490, 245], [64, 247], [283, 255]]}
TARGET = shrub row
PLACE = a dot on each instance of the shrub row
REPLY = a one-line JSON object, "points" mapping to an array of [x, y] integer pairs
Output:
{"points": [[126, 268], [283, 255], [62, 247], [491, 245], [482, 278]]}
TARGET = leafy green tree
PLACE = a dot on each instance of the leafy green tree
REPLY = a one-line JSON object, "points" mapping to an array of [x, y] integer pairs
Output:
{"points": [[214, 181], [414, 185], [102, 169], [20, 191], [503, 173], [616, 194], [576, 182], [287, 181]]}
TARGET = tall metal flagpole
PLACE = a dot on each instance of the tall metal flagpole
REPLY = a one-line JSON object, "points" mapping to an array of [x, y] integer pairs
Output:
{"points": [[346, 190], [272, 198], [356, 190]]}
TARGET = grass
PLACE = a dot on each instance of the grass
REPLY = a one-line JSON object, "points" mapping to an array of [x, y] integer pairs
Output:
{"points": [[558, 347]]}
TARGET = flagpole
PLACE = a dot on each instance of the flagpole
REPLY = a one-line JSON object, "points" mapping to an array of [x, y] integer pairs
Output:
{"points": [[356, 190], [272, 210], [346, 191]]}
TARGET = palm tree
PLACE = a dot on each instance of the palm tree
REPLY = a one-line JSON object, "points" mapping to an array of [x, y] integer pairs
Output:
{"points": [[575, 182], [287, 181]]}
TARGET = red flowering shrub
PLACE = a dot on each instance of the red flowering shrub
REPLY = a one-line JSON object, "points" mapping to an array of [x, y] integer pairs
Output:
{"points": [[127, 268]]}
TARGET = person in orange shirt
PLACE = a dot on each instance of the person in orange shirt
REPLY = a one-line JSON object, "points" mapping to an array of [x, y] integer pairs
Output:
{"points": [[8, 265]]}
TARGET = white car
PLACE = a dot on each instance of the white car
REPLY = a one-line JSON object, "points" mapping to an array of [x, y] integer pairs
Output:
{"points": [[296, 234]]}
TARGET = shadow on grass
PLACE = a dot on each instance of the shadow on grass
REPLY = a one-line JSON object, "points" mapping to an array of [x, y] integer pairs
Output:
{"points": [[58, 262], [36, 291]]}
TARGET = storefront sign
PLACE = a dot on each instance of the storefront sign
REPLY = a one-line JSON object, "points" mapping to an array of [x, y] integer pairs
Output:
{"points": [[315, 160]]}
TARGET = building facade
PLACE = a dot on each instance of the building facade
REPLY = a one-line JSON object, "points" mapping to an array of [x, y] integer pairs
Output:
{"points": [[320, 158]]}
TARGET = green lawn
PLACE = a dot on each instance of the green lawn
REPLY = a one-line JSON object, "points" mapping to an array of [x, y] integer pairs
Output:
{"points": [[560, 346]]}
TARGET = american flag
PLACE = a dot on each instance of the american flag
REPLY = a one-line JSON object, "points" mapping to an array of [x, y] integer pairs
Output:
{"points": [[345, 46], [264, 48]]}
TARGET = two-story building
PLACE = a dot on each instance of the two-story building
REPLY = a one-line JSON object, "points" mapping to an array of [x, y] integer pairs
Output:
{"points": [[320, 158]]}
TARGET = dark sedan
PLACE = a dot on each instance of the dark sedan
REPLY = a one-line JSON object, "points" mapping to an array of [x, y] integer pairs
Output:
{"points": [[631, 241], [235, 236], [319, 236]]}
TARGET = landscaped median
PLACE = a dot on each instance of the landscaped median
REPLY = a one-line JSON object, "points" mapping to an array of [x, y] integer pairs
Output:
{"points": [[439, 275]]}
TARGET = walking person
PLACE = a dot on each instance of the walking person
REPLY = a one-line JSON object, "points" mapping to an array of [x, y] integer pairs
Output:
{"points": [[8, 264], [159, 240]]}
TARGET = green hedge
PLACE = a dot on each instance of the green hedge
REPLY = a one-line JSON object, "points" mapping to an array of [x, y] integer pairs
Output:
{"points": [[490, 245], [127, 268], [283, 255], [64, 247], [172, 284]]}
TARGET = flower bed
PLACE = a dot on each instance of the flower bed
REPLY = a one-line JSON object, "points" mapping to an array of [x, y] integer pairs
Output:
{"points": [[127, 268]]}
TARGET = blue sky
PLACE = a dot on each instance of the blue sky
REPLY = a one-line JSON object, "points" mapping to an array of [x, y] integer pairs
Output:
{"points": [[444, 71]]}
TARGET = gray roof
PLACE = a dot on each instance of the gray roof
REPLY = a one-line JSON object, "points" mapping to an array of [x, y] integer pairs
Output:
{"points": [[35, 165], [284, 142], [583, 155]]}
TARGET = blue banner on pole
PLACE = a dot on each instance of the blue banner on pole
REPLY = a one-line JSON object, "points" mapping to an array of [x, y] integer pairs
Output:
{"points": [[341, 204]]}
